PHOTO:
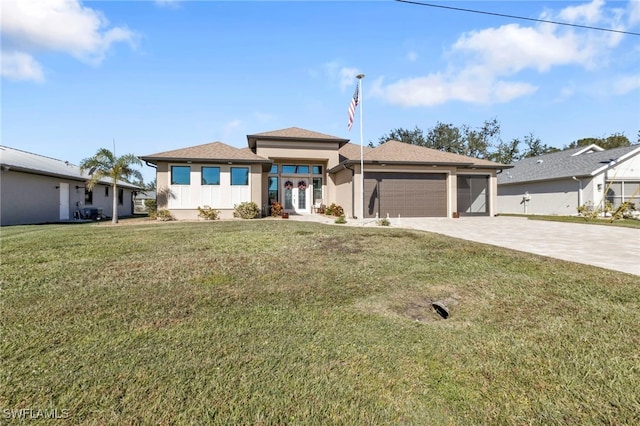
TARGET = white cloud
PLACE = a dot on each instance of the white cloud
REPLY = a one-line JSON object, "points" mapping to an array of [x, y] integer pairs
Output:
{"points": [[625, 84], [412, 56], [588, 13], [63, 26], [437, 89], [345, 76], [168, 3], [20, 66], [511, 48], [483, 63], [633, 12]]}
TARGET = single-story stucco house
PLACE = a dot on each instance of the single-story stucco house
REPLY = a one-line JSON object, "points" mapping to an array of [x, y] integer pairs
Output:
{"points": [[37, 189], [302, 169], [560, 182]]}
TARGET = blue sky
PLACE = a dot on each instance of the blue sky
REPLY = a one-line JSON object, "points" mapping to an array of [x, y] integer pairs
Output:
{"points": [[155, 76]]}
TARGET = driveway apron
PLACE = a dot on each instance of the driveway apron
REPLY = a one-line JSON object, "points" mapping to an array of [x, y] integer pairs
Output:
{"points": [[608, 247]]}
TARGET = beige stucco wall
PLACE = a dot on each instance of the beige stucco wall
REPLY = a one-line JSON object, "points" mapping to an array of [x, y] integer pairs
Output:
{"points": [[321, 152], [343, 185]]}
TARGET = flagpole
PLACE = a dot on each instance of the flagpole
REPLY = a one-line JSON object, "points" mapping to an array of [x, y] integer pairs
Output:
{"points": [[360, 77]]}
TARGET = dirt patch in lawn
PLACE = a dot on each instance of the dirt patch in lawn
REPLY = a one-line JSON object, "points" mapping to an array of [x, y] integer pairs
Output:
{"points": [[415, 307]]}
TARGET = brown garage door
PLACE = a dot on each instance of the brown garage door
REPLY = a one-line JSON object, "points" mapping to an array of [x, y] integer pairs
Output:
{"points": [[405, 194]]}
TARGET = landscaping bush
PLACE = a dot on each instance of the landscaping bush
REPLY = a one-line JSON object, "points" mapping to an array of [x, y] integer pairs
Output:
{"points": [[383, 222], [246, 210], [152, 208], [208, 213], [341, 219], [276, 209], [334, 210], [164, 215]]}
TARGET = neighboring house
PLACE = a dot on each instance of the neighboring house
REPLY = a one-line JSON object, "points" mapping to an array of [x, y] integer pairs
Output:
{"points": [[557, 183], [37, 189], [139, 199], [301, 169]]}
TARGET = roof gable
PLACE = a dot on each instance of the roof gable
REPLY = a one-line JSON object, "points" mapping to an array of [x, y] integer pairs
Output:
{"points": [[293, 134]]}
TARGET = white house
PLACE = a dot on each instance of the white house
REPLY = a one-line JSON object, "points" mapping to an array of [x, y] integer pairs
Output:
{"points": [[560, 182]]}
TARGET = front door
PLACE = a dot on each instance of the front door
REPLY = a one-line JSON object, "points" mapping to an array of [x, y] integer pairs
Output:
{"points": [[296, 195]]}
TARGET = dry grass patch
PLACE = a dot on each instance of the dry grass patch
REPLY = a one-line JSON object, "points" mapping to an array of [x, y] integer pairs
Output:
{"points": [[283, 322]]}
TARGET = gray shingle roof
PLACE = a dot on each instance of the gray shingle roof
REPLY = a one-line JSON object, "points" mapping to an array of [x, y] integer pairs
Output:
{"points": [[583, 161], [39, 164]]}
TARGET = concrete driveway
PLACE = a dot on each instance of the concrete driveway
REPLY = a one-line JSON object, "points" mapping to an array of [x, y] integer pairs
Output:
{"points": [[608, 247]]}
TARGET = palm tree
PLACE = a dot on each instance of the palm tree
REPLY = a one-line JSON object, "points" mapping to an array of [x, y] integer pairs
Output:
{"points": [[105, 164]]}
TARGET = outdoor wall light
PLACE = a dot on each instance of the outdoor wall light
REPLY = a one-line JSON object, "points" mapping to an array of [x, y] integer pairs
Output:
{"points": [[599, 187]]}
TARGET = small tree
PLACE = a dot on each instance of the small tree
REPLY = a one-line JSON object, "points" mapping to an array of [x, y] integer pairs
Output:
{"points": [[105, 164]]}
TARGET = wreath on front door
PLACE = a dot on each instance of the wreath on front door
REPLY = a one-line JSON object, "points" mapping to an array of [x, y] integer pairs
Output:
{"points": [[302, 185], [288, 185]]}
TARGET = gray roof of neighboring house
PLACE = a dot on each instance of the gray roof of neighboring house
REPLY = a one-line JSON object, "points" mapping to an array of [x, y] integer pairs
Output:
{"points": [[295, 133], [215, 151], [582, 161], [395, 152], [23, 161]]}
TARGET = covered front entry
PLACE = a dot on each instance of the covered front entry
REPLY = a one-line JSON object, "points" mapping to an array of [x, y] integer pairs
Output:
{"points": [[296, 195], [405, 194]]}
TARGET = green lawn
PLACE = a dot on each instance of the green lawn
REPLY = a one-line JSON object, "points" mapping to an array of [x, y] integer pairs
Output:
{"points": [[284, 322], [624, 223]]}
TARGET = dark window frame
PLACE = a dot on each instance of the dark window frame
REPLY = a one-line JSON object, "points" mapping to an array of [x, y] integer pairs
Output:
{"points": [[173, 175], [202, 178], [245, 178], [88, 197]]}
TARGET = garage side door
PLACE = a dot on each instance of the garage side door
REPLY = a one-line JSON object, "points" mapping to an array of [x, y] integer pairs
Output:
{"points": [[405, 194]]}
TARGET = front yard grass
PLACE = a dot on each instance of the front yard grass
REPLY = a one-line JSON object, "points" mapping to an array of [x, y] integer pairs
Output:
{"points": [[605, 221], [283, 322]]}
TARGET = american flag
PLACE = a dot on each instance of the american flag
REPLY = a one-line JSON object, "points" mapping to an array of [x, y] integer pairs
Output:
{"points": [[352, 107]]}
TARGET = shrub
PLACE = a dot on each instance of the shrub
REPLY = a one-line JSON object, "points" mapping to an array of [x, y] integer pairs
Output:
{"points": [[207, 213], [589, 211], [276, 209], [246, 210], [152, 208], [164, 215], [334, 210], [383, 222], [341, 219]]}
